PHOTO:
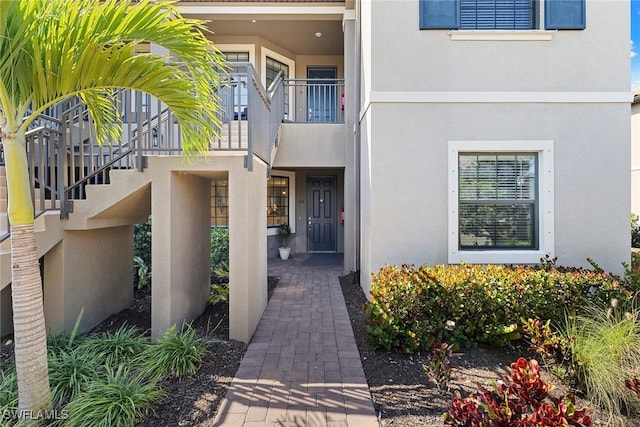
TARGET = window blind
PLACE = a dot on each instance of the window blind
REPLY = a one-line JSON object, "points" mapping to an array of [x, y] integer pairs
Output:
{"points": [[497, 200], [496, 14]]}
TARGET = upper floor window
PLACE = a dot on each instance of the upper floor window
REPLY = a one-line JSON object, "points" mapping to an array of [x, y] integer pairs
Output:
{"points": [[273, 67], [502, 14]]}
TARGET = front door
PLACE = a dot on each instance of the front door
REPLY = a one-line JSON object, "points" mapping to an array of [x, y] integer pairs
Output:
{"points": [[321, 215]]}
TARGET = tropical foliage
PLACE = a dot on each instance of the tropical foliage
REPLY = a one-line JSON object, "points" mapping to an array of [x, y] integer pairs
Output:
{"points": [[52, 50], [412, 307]]}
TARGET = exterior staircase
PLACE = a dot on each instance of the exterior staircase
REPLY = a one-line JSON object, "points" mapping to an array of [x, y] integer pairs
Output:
{"points": [[91, 197]]}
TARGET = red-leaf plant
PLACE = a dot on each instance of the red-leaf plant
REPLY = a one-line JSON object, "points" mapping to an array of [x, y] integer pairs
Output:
{"points": [[633, 385], [521, 400]]}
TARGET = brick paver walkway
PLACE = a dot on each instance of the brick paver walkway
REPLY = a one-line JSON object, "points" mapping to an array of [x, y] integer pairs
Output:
{"points": [[302, 367]]}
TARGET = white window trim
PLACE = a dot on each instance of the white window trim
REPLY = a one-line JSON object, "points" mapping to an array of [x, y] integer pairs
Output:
{"points": [[275, 55], [239, 48], [501, 35], [545, 203], [273, 231], [292, 72], [539, 34]]}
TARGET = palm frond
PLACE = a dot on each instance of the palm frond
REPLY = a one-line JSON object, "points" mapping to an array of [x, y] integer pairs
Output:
{"points": [[50, 50]]}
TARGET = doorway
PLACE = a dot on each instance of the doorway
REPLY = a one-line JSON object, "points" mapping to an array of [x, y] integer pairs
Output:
{"points": [[322, 94], [321, 214]]}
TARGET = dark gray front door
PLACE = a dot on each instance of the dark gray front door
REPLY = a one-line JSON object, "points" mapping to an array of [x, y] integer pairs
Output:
{"points": [[321, 215]]}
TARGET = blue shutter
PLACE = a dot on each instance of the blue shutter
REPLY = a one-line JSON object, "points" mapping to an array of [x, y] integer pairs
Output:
{"points": [[564, 15], [496, 14], [439, 14]]}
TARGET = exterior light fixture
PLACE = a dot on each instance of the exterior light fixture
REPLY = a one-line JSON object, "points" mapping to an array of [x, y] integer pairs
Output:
{"points": [[318, 34]]}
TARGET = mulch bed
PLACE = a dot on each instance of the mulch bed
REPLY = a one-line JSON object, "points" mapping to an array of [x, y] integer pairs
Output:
{"points": [[401, 391]]}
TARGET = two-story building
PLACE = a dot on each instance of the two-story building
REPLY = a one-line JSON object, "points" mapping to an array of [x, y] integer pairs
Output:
{"points": [[389, 131]]}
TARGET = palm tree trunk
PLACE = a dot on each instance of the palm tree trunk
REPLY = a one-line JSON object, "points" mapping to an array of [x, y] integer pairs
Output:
{"points": [[26, 284]]}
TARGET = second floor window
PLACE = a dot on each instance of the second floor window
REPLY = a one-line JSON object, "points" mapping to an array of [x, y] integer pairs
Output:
{"points": [[496, 14], [502, 14]]}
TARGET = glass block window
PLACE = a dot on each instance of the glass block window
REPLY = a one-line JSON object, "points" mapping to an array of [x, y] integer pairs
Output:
{"points": [[277, 201], [497, 200], [220, 203]]}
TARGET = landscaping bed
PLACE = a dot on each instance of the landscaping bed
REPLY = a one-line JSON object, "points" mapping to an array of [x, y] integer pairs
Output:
{"points": [[402, 393]]}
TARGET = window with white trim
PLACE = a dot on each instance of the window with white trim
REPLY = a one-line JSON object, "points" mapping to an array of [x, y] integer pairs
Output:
{"points": [[277, 200], [502, 14], [501, 201]]}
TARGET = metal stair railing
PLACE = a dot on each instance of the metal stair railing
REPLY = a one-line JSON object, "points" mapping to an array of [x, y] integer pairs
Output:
{"points": [[64, 156]]}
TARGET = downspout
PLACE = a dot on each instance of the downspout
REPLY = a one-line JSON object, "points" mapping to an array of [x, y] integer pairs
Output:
{"points": [[357, 142]]}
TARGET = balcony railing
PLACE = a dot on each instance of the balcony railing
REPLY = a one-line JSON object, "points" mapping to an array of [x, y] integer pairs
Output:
{"points": [[315, 100], [64, 156]]}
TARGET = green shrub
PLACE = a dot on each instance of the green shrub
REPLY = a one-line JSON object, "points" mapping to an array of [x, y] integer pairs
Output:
{"points": [[219, 251], [8, 393], [143, 272], [142, 253], [605, 348], [70, 372], [142, 241], [635, 231], [219, 293], [412, 307], [114, 348], [118, 399], [66, 340], [176, 353]]}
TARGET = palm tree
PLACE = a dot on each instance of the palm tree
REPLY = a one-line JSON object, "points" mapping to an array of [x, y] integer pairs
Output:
{"points": [[54, 49]]}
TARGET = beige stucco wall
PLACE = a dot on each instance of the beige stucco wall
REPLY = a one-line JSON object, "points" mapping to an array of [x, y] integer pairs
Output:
{"points": [[247, 249], [635, 158], [589, 60], [310, 145], [90, 270], [181, 248], [350, 262], [429, 89], [405, 176]]}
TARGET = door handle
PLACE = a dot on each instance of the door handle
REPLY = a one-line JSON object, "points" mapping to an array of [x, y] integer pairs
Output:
{"points": [[309, 226]]}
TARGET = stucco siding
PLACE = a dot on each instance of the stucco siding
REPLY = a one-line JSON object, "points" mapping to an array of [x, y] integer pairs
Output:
{"points": [[406, 191], [407, 58], [635, 158]]}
